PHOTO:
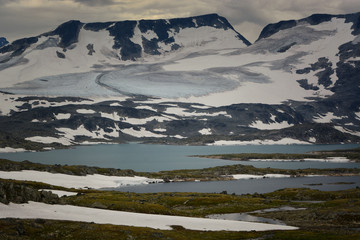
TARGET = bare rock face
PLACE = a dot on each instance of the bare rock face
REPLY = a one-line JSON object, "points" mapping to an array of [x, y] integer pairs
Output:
{"points": [[3, 41], [20, 193]]}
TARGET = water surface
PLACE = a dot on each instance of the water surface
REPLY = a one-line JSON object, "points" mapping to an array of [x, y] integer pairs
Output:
{"points": [[152, 158], [266, 185]]}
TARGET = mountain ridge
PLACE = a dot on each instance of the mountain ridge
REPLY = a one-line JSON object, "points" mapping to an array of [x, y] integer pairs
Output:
{"points": [[3, 41], [122, 31], [314, 19], [161, 81]]}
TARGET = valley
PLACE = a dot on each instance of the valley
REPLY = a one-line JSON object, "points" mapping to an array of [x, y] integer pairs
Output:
{"points": [[99, 121]]}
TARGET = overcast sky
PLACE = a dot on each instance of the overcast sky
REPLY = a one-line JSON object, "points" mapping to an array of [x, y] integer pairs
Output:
{"points": [[24, 18]]}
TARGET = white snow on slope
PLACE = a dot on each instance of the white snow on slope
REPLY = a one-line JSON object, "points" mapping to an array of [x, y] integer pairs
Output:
{"points": [[250, 176], [82, 131], [10, 149], [8, 103], [268, 126], [329, 159], [95, 181], [344, 130], [205, 131], [140, 121], [329, 46], [184, 113], [141, 133], [357, 115], [275, 83], [42, 139], [62, 116], [60, 193], [113, 116], [284, 141], [85, 111], [146, 107], [327, 118], [35, 210]]}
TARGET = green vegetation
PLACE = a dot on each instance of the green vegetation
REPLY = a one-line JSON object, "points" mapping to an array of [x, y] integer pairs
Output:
{"points": [[80, 170], [351, 154], [223, 172], [64, 230], [206, 174], [184, 204], [323, 215]]}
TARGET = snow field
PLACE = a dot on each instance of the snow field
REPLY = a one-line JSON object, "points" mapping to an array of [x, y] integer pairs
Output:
{"points": [[60, 193], [95, 181], [10, 149], [249, 176], [327, 118], [268, 126], [40, 139], [284, 141], [35, 210]]}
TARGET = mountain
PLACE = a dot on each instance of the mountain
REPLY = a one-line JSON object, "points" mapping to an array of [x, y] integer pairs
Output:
{"points": [[184, 81], [3, 41]]}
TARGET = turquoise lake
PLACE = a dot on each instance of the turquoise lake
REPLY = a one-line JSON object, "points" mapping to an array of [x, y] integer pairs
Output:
{"points": [[151, 158]]}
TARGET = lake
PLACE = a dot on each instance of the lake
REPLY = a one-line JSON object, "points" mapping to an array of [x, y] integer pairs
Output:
{"points": [[265, 185], [152, 158]]}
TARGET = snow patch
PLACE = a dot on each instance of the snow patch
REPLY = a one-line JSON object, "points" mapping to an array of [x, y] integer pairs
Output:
{"points": [[249, 176], [183, 112], [113, 116], [10, 149], [326, 118], [146, 107], [345, 130], [46, 140], [268, 126], [205, 131], [36, 210], [357, 115], [95, 181], [141, 133], [62, 116], [160, 129], [284, 141], [85, 111], [82, 131], [60, 193]]}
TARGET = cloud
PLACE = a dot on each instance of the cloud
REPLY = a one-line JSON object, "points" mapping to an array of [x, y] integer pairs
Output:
{"points": [[95, 2]]}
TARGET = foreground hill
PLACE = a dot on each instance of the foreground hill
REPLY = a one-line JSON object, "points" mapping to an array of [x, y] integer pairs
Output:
{"points": [[191, 80]]}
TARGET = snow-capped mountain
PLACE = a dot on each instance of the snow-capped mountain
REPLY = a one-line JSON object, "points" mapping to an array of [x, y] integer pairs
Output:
{"points": [[3, 41], [190, 80]]}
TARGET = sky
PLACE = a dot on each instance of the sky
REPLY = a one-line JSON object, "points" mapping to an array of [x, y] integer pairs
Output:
{"points": [[25, 18]]}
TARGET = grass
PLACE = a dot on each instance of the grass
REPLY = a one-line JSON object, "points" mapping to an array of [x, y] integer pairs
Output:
{"points": [[334, 215], [28, 229], [64, 230], [206, 174], [351, 154]]}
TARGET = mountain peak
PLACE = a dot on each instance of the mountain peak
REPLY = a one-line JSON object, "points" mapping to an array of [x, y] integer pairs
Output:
{"points": [[314, 19], [132, 40], [3, 41]]}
